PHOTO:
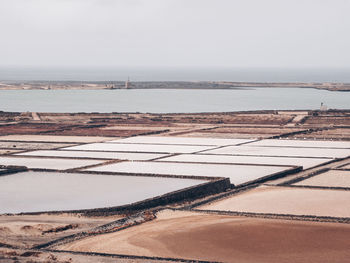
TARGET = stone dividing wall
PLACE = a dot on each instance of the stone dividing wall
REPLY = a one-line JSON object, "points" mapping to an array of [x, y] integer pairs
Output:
{"points": [[283, 135], [5, 170], [292, 170], [120, 256], [343, 220]]}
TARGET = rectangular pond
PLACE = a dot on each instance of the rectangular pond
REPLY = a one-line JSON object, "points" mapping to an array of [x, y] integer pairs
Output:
{"points": [[282, 151], [346, 166], [302, 143], [181, 140], [47, 163], [286, 200], [238, 174], [47, 191], [97, 155], [331, 178], [131, 147], [237, 159]]}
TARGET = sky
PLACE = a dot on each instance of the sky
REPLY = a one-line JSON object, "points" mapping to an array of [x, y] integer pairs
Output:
{"points": [[175, 33]]}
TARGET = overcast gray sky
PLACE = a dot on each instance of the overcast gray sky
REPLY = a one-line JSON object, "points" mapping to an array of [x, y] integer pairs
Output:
{"points": [[175, 33]]}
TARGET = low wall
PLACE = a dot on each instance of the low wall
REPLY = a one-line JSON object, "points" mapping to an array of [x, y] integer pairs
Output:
{"points": [[4, 170]]}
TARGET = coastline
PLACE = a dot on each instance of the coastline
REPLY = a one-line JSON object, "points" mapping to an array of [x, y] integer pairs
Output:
{"points": [[204, 85]]}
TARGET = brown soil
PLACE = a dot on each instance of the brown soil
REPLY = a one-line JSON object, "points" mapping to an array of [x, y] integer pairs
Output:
{"points": [[53, 138], [325, 120], [102, 132], [124, 124], [225, 238], [337, 134]]}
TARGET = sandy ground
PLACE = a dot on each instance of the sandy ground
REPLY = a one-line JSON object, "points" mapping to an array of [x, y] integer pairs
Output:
{"points": [[29, 230], [338, 133], [286, 200], [332, 178], [5, 151], [32, 146], [227, 239]]}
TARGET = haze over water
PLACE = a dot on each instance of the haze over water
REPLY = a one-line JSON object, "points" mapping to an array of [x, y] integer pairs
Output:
{"points": [[175, 74]]}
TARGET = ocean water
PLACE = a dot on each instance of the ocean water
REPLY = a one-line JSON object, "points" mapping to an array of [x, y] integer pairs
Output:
{"points": [[171, 101]]}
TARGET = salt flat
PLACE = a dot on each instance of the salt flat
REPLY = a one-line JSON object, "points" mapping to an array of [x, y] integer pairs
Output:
{"points": [[236, 159], [302, 143], [181, 140], [47, 163], [286, 200], [96, 155], [69, 191], [238, 174], [282, 151], [155, 148]]}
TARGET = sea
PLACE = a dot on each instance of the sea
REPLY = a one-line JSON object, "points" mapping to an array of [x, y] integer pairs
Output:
{"points": [[172, 100]]}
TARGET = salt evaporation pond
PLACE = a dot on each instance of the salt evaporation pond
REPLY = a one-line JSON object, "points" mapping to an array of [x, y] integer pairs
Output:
{"points": [[155, 148], [181, 140], [238, 174], [332, 178], [306, 163], [94, 155], [47, 163], [302, 143], [287, 201], [42, 191], [346, 166], [282, 151]]}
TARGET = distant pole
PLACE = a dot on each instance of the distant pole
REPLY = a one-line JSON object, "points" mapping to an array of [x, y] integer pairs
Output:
{"points": [[127, 83]]}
